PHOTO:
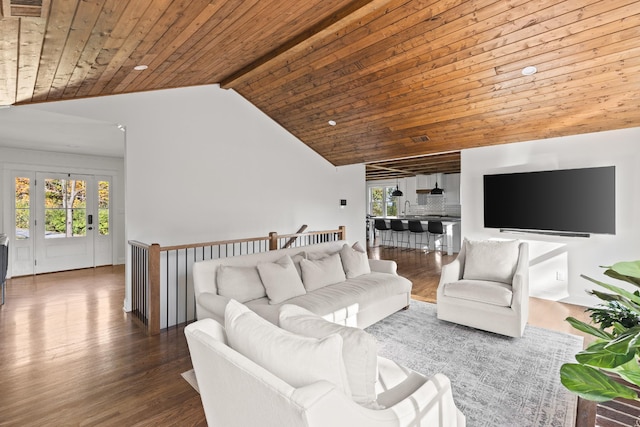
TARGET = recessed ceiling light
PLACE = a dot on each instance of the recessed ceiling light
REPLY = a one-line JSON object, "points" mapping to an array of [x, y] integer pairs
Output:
{"points": [[529, 71], [140, 67], [332, 123]]}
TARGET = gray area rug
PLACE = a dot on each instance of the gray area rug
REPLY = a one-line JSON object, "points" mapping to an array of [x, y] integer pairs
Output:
{"points": [[496, 380]]}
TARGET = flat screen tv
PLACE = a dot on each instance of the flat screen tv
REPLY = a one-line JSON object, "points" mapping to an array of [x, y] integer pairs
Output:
{"points": [[580, 201]]}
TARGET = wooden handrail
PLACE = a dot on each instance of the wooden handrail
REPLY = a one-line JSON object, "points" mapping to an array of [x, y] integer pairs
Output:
{"points": [[216, 243], [151, 273], [293, 239]]}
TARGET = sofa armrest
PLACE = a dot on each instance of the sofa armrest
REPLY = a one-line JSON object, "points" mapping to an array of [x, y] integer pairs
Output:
{"points": [[430, 403], [520, 283], [383, 266], [451, 272]]}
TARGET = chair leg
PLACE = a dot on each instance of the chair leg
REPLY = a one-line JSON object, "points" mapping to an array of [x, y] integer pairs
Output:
{"points": [[408, 241], [389, 238], [422, 247]]}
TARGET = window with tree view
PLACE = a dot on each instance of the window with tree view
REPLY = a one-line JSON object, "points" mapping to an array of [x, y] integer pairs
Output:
{"points": [[65, 208], [103, 208], [23, 208], [381, 202]]}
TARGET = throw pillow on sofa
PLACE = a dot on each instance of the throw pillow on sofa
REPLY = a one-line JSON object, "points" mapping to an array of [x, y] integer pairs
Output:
{"points": [[240, 283], [359, 349], [493, 260], [281, 280], [296, 261], [322, 272], [354, 260], [295, 359]]}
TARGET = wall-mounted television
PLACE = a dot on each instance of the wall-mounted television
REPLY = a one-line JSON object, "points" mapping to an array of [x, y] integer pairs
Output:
{"points": [[566, 201]]}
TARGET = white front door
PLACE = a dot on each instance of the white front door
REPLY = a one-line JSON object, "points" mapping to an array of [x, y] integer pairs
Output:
{"points": [[66, 222]]}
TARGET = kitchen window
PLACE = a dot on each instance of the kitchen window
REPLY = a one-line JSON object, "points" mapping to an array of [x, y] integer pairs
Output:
{"points": [[381, 202]]}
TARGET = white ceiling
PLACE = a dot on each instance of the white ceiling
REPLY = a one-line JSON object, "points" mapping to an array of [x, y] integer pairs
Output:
{"points": [[33, 129]]}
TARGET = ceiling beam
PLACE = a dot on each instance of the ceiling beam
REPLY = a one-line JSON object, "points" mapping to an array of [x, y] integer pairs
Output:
{"points": [[331, 24], [386, 168]]}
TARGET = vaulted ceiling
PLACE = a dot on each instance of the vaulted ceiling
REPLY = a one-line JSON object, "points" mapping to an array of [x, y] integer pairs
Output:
{"points": [[398, 79]]}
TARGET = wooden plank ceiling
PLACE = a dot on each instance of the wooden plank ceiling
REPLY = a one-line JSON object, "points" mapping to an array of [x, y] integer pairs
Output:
{"points": [[400, 78]]}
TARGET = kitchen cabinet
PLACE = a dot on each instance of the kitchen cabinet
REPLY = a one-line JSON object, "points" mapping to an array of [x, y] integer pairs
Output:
{"points": [[451, 185]]}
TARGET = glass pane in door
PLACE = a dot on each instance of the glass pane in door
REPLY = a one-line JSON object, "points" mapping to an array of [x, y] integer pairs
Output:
{"points": [[65, 208], [23, 211], [103, 208]]}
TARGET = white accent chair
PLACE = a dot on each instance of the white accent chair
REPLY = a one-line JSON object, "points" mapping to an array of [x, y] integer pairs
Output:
{"points": [[487, 287], [237, 392]]}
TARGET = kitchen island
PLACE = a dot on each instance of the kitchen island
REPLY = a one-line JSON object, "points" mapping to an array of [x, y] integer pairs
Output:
{"points": [[450, 223]]}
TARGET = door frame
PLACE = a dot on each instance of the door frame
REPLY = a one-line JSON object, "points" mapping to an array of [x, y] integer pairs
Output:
{"points": [[11, 171]]}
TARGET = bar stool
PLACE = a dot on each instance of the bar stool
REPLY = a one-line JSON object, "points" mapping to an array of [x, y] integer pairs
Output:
{"points": [[398, 228], [381, 226], [436, 229], [417, 229]]}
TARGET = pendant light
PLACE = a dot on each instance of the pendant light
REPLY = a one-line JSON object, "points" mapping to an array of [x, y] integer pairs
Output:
{"points": [[437, 190], [397, 192]]}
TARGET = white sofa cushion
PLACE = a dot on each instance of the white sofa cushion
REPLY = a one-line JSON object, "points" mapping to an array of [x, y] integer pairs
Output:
{"points": [[359, 349], [281, 280], [240, 283], [484, 291], [341, 301], [354, 260], [493, 260], [322, 272], [297, 360]]}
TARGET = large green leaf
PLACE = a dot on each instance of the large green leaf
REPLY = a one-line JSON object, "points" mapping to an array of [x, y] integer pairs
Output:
{"points": [[625, 342], [615, 275], [588, 329], [630, 372], [607, 297], [591, 384], [629, 295], [598, 356], [627, 268]]}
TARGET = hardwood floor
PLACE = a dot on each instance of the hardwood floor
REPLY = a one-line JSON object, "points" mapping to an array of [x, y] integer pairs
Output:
{"points": [[71, 356]]}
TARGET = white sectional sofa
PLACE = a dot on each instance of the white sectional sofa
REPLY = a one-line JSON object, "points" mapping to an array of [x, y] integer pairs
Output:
{"points": [[346, 288], [253, 373]]}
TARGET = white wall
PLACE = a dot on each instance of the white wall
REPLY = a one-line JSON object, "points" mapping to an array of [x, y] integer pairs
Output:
{"points": [[13, 159], [558, 262], [203, 164]]}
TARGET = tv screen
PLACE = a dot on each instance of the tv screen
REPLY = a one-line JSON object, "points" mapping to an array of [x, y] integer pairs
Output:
{"points": [[569, 200]]}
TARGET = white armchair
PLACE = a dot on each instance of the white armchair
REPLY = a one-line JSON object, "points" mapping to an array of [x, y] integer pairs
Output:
{"points": [[235, 391], [487, 287]]}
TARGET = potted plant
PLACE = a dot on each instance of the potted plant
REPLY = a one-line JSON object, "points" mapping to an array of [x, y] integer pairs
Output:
{"points": [[615, 352]]}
